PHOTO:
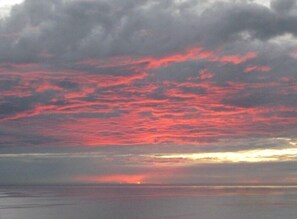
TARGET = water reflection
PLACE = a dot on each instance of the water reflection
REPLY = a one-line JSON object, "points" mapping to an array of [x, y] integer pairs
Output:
{"points": [[147, 202]]}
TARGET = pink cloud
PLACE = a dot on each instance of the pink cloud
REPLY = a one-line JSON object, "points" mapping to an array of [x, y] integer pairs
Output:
{"points": [[257, 68]]}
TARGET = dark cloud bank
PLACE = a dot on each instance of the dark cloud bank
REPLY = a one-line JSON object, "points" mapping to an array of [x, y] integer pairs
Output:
{"points": [[71, 30]]}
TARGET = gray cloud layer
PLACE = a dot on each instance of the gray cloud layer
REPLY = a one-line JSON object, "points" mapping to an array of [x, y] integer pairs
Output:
{"points": [[70, 30]]}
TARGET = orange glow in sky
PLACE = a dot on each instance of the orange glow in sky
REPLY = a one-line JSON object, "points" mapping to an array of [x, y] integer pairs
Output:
{"points": [[121, 179]]}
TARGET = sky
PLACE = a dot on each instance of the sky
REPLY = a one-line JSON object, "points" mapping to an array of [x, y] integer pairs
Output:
{"points": [[145, 91]]}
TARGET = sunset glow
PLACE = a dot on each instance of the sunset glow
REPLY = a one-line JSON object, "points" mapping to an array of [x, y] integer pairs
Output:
{"points": [[253, 156], [137, 92], [121, 179]]}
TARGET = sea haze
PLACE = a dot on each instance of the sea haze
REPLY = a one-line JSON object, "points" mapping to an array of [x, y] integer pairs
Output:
{"points": [[148, 202]]}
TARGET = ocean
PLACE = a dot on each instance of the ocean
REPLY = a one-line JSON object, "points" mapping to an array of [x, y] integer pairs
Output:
{"points": [[148, 202]]}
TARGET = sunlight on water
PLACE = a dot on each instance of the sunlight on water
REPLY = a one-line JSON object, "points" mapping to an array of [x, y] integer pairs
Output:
{"points": [[147, 202]]}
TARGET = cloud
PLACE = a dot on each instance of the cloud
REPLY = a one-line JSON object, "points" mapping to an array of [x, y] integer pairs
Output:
{"points": [[150, 74], [71, 30], [283, 5], [155, 164]]}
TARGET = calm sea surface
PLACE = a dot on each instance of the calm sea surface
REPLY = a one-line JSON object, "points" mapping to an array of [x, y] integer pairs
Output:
{"points": [[147, 202]]}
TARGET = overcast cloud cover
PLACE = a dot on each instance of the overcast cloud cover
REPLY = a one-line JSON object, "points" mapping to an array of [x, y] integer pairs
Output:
{"points": [[105, 90]]}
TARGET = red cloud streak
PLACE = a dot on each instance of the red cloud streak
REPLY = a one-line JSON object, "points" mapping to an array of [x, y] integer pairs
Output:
{"points": [[105, 109]]}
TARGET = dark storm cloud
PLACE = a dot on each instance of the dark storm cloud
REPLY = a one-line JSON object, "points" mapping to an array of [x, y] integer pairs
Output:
{"points": [[71, 30], [283, 5]]}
